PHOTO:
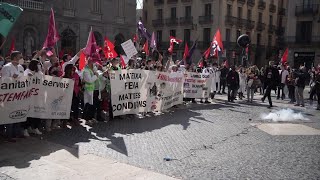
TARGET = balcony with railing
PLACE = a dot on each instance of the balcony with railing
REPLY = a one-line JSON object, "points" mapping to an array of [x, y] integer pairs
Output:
{"points": [[69, 12], [272, 8], [251, 2], [280, 31], [307, 10], [186, 20], [271, 28], [172, 21], [172, 1], [158, 2], [241, 1], [203, 44], [261, 26], [206, 19], [281, 11], [186, 1], [157, 23], [249, 24], [31, 4], [296, 40], [261, 5]]}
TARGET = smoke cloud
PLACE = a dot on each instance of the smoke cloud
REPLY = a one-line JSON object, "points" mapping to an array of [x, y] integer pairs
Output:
{"points": [[283, 115]]}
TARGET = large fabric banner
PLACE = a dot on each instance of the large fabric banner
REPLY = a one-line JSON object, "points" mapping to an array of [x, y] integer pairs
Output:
{"points": [[197, 85], [135, 91], [38, 96]]}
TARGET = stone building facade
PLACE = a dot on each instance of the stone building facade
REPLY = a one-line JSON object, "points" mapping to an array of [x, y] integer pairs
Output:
{"points": [[115, 19], [263, 20], [303, 32]]}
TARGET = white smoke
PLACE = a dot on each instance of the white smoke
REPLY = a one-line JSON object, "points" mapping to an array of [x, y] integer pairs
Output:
{"points": [[283, 115]]}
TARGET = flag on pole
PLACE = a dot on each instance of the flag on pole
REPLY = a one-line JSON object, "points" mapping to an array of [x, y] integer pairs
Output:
{"points": [[186, 52], [82, 61], [189, 59], [91, 47], [206, 54], [216, 44], [123, 63], [12, 46], [143, 31], [108, 49], [9, 15], [146, 48], [284, 58], [172, 41], [153, 43], [52, 36]]}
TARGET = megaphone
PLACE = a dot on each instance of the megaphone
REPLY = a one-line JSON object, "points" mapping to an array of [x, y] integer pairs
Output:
{"points": [[243, 41]]}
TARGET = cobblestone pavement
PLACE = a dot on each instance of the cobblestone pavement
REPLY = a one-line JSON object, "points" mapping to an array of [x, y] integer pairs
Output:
{"points": [[215, 141]]}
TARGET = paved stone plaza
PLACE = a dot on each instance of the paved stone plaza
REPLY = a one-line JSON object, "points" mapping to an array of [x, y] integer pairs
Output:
{"points": [[216, 141]]}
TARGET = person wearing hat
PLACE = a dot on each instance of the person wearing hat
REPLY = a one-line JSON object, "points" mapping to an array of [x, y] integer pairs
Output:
{"points": [[89, 79]]}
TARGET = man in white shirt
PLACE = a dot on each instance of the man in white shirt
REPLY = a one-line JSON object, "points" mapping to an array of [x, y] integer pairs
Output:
{"points": [[71, 61], [13, 70], [284, 75]]}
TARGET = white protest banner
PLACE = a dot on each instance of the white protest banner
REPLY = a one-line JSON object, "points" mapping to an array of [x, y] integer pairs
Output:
{"points": [[129, 48], [15, 97], [54, 98], [38, 96], [170, 90], [197, 85], [129, 91]]}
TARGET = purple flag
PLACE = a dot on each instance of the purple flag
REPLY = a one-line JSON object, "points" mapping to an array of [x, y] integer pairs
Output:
{"points": [[189, 60], [143, 31], [153, 43]]}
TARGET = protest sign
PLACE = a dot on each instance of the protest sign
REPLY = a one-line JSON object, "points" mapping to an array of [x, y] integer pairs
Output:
{"points": [[38, 96], [136, 91], [197, 85], [129, 48]]}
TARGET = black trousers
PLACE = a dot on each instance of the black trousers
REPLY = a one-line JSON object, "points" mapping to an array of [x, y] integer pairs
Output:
{"points": [[232, 93], [31, 122], [291, 89], [97, 105], [268, 95], [75, 106], [281, 88], [223, 83]]}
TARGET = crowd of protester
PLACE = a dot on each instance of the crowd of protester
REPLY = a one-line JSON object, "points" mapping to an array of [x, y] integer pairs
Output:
{"points": [[92, 89]]}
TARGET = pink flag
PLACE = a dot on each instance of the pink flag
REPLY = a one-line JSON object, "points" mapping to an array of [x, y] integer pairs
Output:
{"points": [[52, 36], [91, 47], [284, 58]]}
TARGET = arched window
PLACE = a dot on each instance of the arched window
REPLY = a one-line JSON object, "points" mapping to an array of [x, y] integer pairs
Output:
{"points": [[68, 41]]}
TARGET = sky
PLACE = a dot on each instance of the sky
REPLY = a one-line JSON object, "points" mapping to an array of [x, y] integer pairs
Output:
{"points": [[138, 4]]}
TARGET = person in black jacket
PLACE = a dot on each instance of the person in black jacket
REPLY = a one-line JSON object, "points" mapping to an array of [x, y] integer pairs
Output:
{"points": [[233, 84], [223, 79], [272, 79], [300, 83]]}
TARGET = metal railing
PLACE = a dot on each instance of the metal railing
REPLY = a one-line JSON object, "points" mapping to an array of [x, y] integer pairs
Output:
{"points": [[186, 1], [261, 4], [296, 39], [311, 9], [272, 8], [261, 26], [282, 11], [242, 1], [158, 2], [186, 20], [172, 21], [251, 3], [206, 19], [271, 28], [30, 4], [157, 23], [69, 12], [172, 1]]}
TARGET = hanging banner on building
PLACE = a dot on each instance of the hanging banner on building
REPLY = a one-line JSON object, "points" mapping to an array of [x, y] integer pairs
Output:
{"points": [[136, 91], [197, 85], [39, 96]]}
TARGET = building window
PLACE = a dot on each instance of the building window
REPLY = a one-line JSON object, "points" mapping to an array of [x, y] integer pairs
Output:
{"points": [[187, 35], [229, 9], [269, 40], [173, 33], [159, 13], [206, 36], [173, 13], [260, 17], [249, 14], [258, 39], [304, 31], [188, 11], [159, 36], [69, 4], [207, 10], [96, 6], [239, 12], [228, 35], [270, 19], [238, 34]]}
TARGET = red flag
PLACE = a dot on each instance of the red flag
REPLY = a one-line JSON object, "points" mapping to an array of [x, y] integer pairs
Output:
{"points": [[82, 61], [146, 48], [173, 40], [52, 36], [91, 47], [109, 49], [206, 54], [186, 51], [135, 38], [284, 58], [216, 44], [61, 53], [200, 64], [12, 46], [123, 63]]}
